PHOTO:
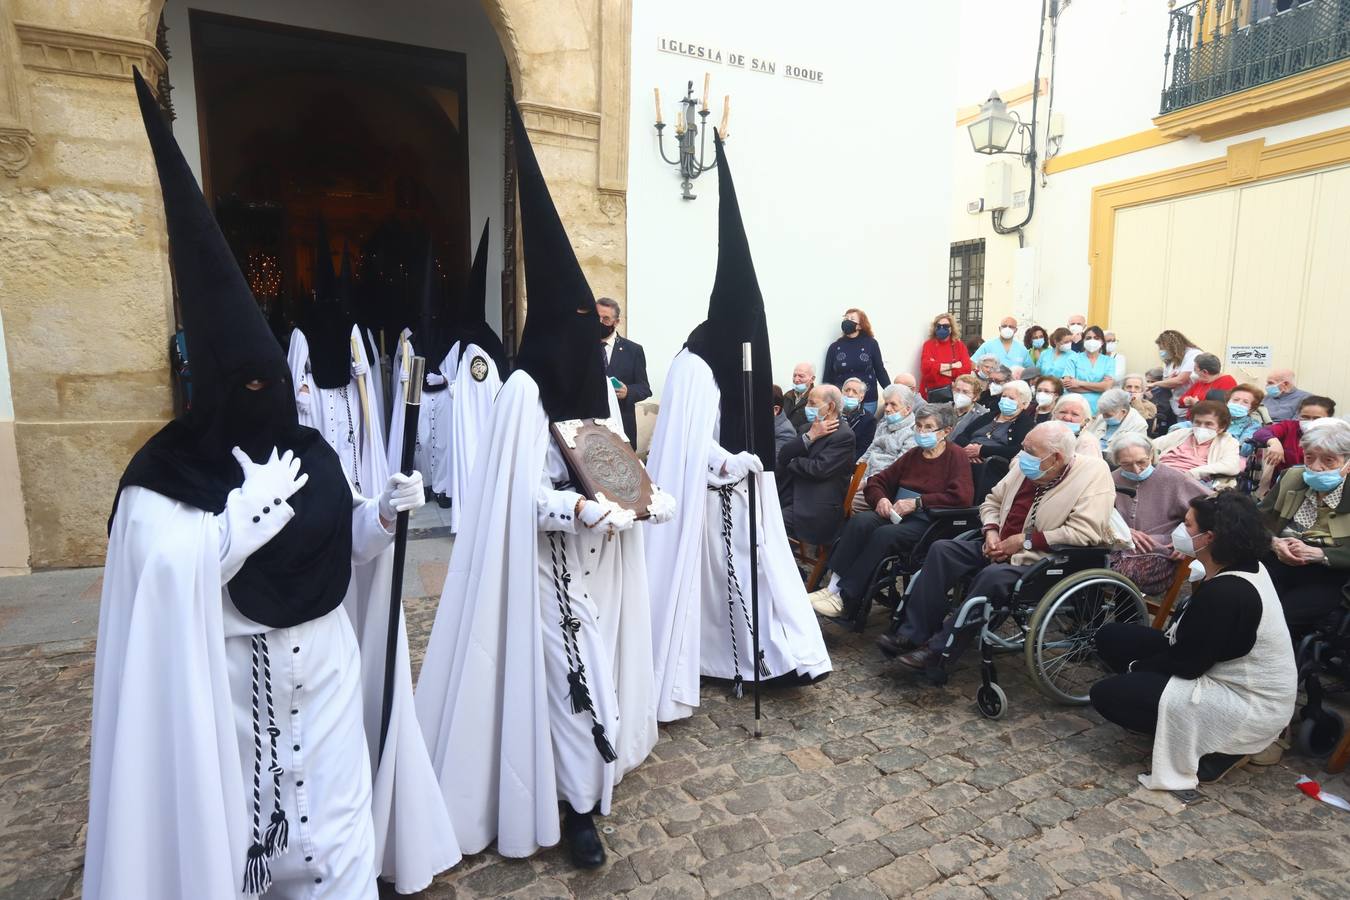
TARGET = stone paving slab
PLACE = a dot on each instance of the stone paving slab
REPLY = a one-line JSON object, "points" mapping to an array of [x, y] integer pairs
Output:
{"points": [[866, 785]]}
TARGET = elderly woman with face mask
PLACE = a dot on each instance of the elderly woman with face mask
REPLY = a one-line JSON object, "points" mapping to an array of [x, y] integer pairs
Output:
{"points": [[1139, 400], [1205, 451], [1000, 431], [1161, 498], [1115, 417], [968, 409], [1048, 391], [1309, 513], [894, 433], [1074, 412]]}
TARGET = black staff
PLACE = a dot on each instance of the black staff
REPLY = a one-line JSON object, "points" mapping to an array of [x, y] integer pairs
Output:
{"points": [[412, 405], [747, 396]]}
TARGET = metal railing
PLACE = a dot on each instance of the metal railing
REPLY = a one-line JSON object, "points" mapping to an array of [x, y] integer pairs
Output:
{"points": [[1221, 47]]}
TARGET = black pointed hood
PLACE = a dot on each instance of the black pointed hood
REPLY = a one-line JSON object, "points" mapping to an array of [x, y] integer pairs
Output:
{"points": [[471, 325], [303, 572], [432, 336], [328, 326], [560, 346], [736, 315]]}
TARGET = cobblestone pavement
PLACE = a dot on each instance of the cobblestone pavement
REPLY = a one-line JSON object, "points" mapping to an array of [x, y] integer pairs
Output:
{"points": [[863, 786]]}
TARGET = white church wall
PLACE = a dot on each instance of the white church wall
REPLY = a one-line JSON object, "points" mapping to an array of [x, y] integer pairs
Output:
{"points": [[844, 181], [457, 25]]}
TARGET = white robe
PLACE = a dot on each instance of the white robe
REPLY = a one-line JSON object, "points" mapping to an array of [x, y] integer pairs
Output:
{"points": [[473, 390], [414, 837], [694, 623], [492, 694], [1239, 706], [171, 756]]}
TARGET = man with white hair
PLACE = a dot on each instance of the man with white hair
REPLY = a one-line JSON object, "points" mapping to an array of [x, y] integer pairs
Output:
{"points": [[795, 398], [1077, 324], [1054, 496], [1282, 395]]}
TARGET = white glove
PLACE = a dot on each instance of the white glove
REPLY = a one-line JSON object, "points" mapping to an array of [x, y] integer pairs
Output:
{"points": [[359, 367], [435, 378], [403, 493], [662, 508], [607, 517], [270, 483], [742, 464]]}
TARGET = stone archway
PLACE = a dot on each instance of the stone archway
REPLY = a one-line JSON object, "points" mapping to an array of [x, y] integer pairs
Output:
{"points": [[86, 299]]}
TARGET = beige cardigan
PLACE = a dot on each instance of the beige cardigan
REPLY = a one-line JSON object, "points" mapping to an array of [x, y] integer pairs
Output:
{"points": [[1225, 456], [1133, 423], [1077, 511]]}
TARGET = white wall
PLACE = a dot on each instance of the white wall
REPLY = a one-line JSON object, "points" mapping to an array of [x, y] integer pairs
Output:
{"points": [[457, 25], [844, 185], [1108, 85]]}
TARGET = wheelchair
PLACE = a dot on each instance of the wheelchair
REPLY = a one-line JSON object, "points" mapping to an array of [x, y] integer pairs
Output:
{"points": [[886, 583], [1318, 731]]}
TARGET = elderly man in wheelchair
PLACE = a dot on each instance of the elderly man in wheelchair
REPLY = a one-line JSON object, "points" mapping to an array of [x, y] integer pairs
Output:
{"points": [[1047, 519]]}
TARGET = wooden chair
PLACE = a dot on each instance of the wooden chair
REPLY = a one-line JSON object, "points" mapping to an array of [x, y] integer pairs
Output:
{"points": [[815, 556]]}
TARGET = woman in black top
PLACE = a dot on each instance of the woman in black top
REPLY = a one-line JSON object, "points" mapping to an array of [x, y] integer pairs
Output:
{"points": [[1218, 624], [856, 355]]}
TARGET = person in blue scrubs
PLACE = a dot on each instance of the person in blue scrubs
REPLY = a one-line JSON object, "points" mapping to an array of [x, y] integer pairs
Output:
{"points": [[1005, 348], [1092, 371]]}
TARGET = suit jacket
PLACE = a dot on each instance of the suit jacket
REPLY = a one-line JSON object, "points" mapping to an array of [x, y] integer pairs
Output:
{"points": [[1075, 512], [816, 479], [794, 406], [628, 363]]}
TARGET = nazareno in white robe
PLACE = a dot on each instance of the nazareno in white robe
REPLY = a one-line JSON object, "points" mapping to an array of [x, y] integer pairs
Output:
{"points": [[699, 626], [413, 833], [473, 389], [492, 695], [172, 750]]}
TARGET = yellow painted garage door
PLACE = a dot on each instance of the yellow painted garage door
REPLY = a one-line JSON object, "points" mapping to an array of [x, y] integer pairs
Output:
{"points": [[1264, 264]]}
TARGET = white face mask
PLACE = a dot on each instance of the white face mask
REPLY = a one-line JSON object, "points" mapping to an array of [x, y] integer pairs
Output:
{"points": [[1044, 398], [995, 389], [1092, 345], [1007, 333], [1204, 435], [1182, 541], [961, 401], [1066, 348], [1076, 329], [1110, 346]]}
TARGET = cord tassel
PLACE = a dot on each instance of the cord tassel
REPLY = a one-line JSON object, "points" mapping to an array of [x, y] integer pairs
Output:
{"points": [[278, 835], [602, 743], [257, 873], [763, 666], [577, 691], [738, 686]]}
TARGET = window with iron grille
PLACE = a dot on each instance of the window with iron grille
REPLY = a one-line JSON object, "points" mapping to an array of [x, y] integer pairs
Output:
{"points": [[965, 287]]}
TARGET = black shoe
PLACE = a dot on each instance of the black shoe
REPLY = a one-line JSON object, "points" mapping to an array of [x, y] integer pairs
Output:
{"points": [[583, 841], [1214, 766], [893, 645], [442, 501]]}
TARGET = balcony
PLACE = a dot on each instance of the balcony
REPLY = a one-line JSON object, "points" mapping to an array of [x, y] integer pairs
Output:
{"points": [[1219, 49]]}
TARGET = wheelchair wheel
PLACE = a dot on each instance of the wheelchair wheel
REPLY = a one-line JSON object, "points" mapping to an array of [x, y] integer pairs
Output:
{"points": [[991, 700], [1317, 735], [1060, 650]]}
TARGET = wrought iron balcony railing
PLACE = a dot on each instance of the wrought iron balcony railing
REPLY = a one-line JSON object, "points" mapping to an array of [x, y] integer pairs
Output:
{"points": [[1221, 47]]}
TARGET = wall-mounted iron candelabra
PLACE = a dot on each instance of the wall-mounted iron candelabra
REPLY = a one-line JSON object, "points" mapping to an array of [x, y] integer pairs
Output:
{"points": [[691, 132]]}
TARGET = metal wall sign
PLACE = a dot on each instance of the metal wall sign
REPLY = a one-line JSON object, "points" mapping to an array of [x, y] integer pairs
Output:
{"points": [[1251, 356], [737, 60]]}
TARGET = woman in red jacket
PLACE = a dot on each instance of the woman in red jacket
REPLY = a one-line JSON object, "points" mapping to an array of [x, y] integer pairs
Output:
{"points": [[943, 356]]}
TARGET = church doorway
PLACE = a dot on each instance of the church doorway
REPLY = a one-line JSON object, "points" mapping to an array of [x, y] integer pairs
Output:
{"points": [[298, 126]]}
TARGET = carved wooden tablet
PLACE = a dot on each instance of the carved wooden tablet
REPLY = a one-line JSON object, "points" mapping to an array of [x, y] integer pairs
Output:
{"points": [[603, 464]]}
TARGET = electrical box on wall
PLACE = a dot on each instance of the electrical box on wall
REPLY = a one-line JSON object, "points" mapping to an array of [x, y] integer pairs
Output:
{"points": [[976, 206], [998, 185]]}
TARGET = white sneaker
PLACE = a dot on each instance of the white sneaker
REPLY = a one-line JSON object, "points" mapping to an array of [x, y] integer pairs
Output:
{"points": [[826, 602]]}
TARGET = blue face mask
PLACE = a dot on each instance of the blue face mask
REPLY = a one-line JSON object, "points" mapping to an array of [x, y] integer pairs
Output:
{"points": [[926, 439], [1272, 390], [1074, 427], [1163, 355], [1137, 476], [1238, 411], [850, 404], [799, 388], [812, 413], [894, 418], [1322, 482], [1030, 465], [1037, 343], [943, 332], [1007, 406]]}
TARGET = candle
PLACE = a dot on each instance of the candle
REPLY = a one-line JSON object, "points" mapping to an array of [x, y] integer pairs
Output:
{"points": [[706, 77], [726, 115], [658, 105]]}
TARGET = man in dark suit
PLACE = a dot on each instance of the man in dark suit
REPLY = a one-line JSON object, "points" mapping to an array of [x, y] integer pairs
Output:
{"points": [[815, 468], [794, 400], [625, 362]]}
